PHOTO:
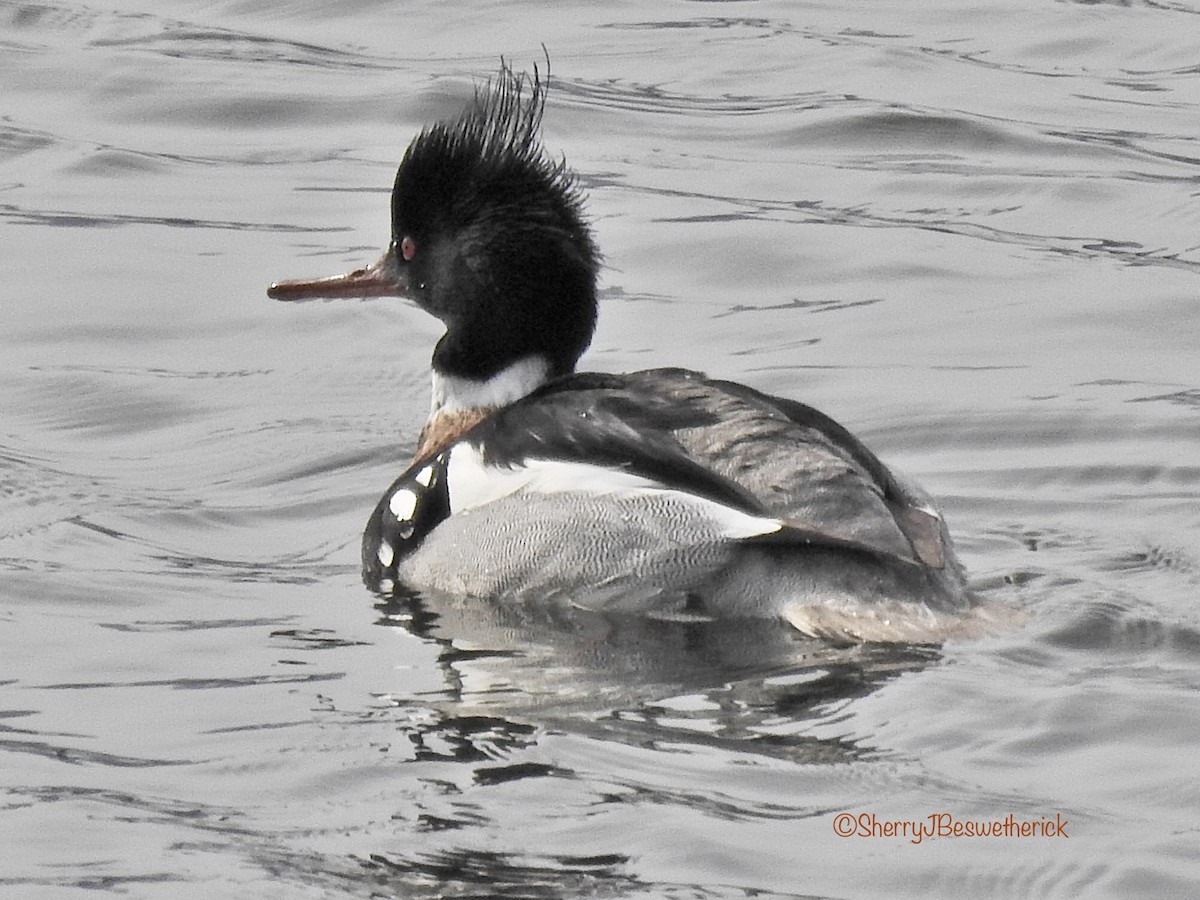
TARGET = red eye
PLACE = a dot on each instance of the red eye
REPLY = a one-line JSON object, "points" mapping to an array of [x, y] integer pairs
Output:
{"points": [[408, 248]]}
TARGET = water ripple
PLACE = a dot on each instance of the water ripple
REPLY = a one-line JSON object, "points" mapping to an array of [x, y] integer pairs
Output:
{"points": [[76, 756], [66, 219]]}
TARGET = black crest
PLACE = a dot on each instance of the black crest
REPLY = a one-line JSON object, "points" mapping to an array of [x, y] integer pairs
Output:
{"points": [[505, 121], [493, 151], [501, 246]]}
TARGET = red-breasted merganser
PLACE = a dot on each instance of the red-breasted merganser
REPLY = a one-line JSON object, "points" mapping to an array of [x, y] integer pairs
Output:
{"points": [[661, 492]]}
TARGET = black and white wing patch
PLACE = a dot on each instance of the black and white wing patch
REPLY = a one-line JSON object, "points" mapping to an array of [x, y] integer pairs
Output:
{"points": [[413, 506]]}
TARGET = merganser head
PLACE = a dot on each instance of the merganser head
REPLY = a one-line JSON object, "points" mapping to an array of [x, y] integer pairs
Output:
{"points": [[488, 235]]}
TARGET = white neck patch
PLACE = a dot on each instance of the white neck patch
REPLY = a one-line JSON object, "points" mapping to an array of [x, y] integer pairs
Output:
{"points": [[452, 393]]}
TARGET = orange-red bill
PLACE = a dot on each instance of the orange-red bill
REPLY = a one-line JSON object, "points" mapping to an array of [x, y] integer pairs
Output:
{"points": [[383, 279]]}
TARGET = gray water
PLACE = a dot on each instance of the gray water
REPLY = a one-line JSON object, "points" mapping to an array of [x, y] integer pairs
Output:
{"points": [[968, 231]]}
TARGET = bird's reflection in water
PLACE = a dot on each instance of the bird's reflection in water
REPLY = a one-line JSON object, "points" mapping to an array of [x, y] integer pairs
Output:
{"points": [[753, 685]]}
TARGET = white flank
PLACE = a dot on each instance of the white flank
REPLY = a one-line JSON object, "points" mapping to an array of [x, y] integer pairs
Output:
{"points": [[451, 393], [474, 484]]}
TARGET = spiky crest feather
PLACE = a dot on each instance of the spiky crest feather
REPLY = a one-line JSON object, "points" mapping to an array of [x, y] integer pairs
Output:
{"points": [[498, 223]]}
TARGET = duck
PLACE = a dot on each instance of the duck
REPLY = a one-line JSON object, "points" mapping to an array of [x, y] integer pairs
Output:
{"points": [[665, 492]]}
